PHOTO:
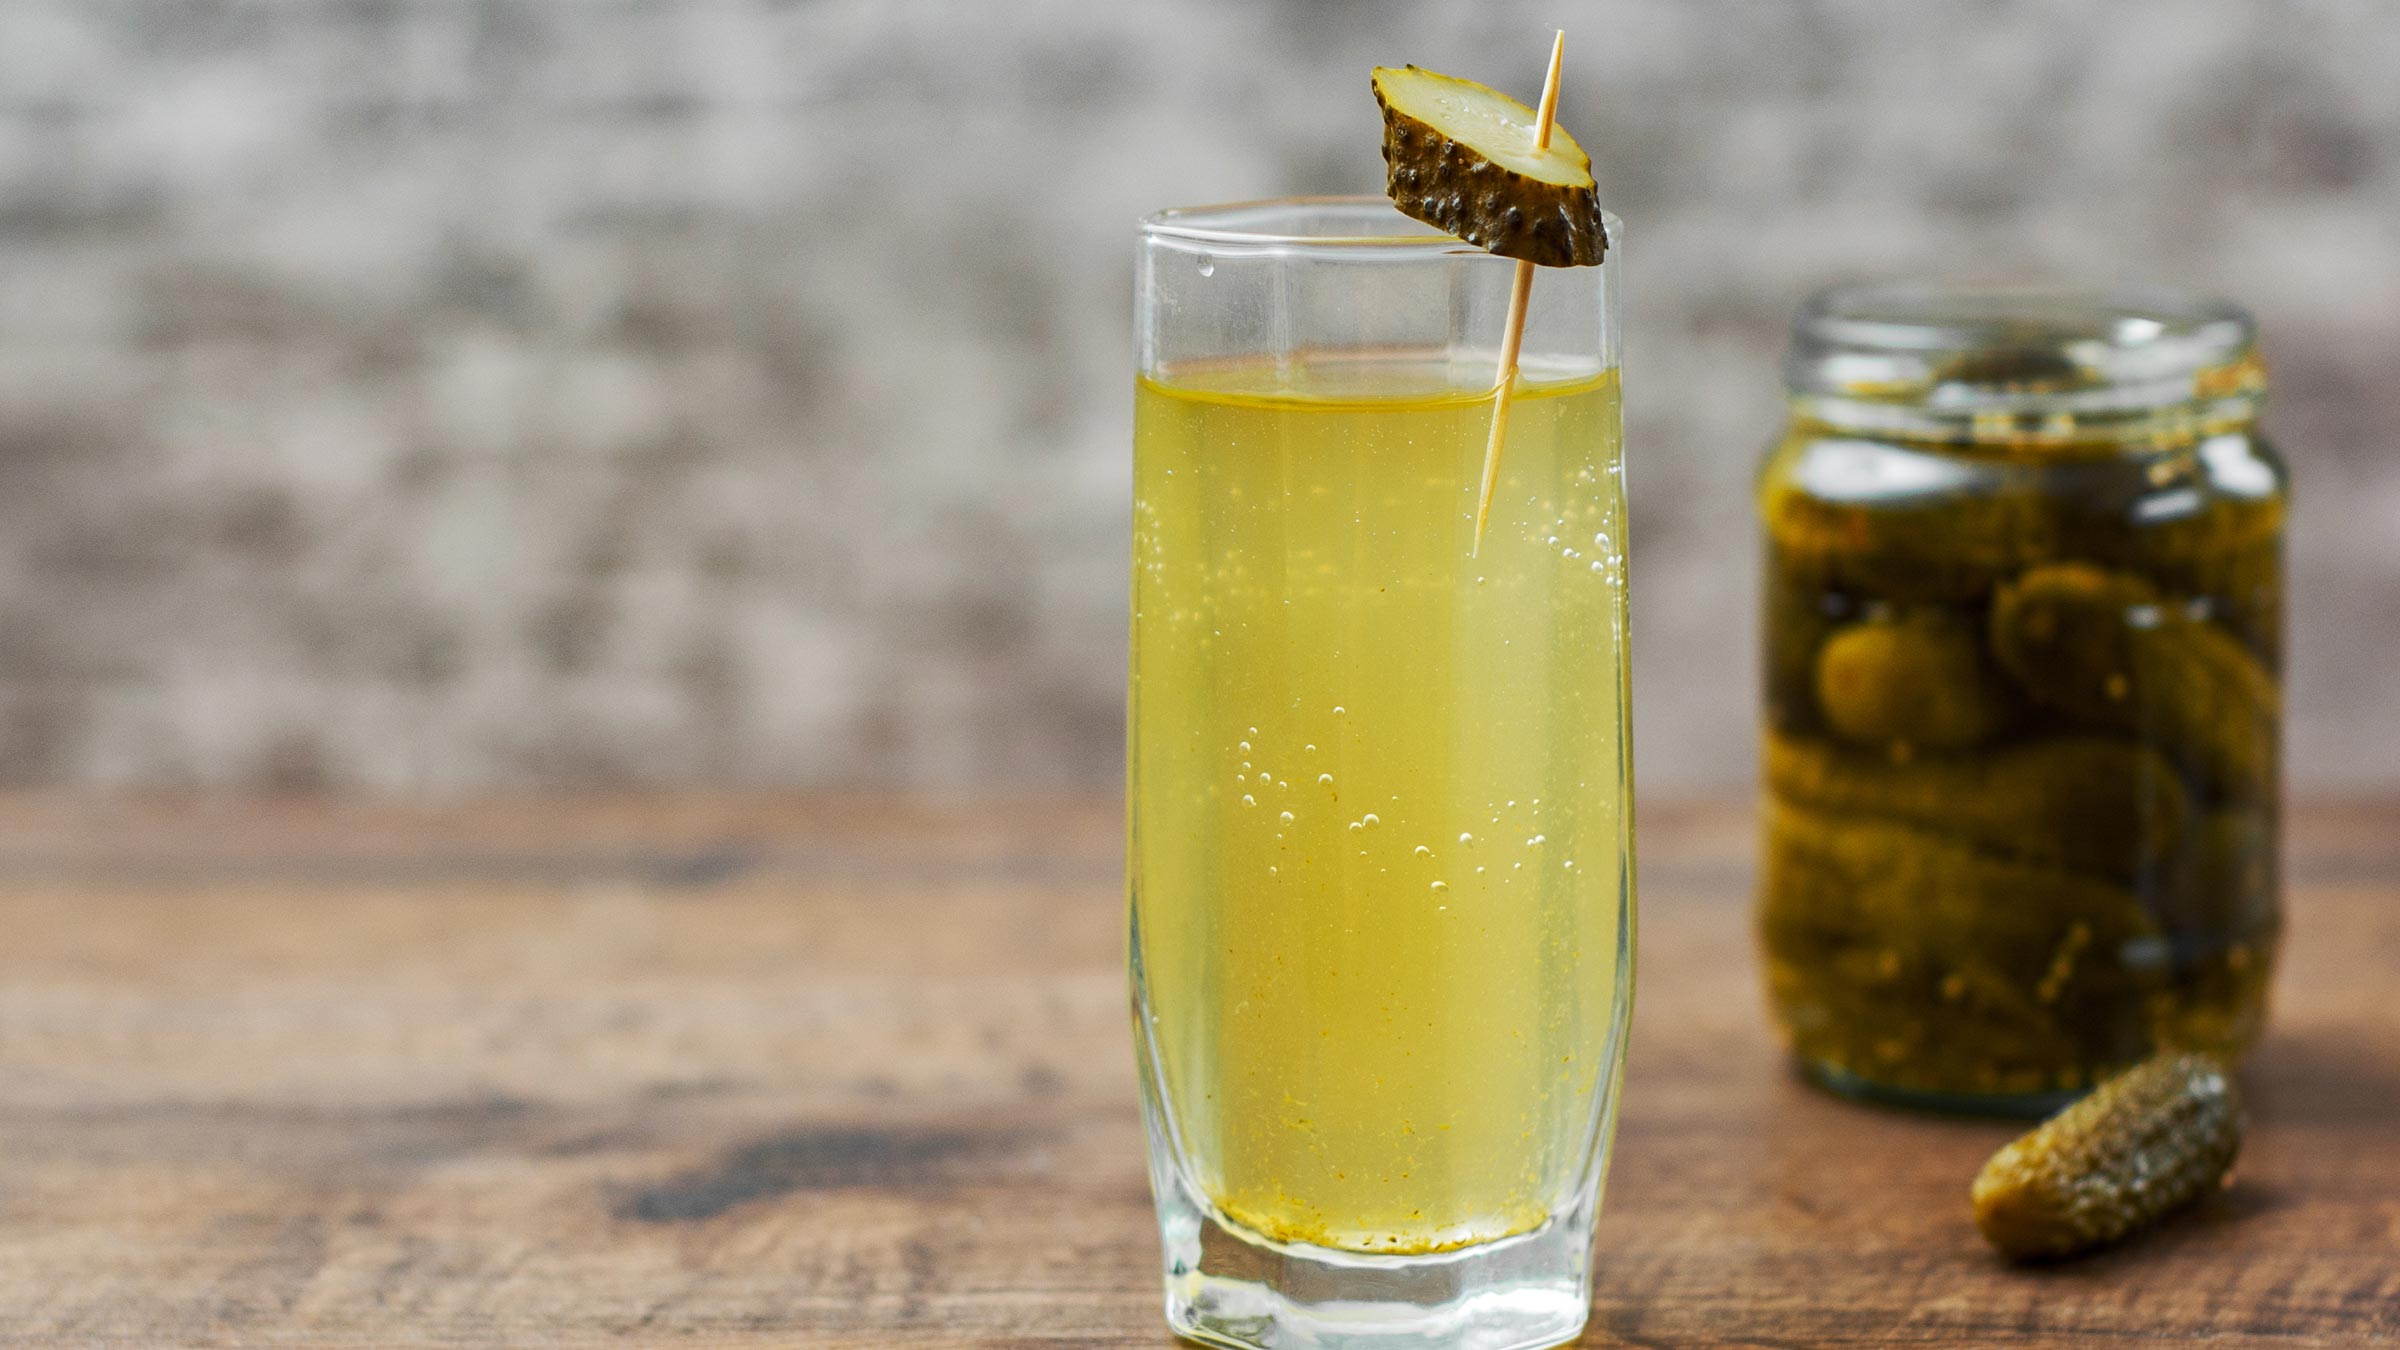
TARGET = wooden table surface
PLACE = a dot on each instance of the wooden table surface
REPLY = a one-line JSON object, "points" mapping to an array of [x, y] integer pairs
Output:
{"points": [[765, 1073]]}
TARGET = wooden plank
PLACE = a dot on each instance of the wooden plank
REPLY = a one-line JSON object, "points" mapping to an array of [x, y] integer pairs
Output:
{"points": [[751, 1072]]}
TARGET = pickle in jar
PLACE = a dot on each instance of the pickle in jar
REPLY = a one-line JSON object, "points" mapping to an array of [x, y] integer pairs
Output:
{"points": [[1798, 615], [1917, 682], [2106, 648], [2096, 806], [1942, 546], [1942, 920]]}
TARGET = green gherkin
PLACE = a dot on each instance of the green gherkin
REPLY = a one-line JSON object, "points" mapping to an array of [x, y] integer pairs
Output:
{"points": [[1918, 683], [1462, 158], [2100, 807], [2148, 1142], [1916, 961], [1953, 547], [1797, 622], [2229, 551], [2223, 526], [2224, 922], [2244, 590], [2106, 648], [2225, 892], [1901, 1020]]}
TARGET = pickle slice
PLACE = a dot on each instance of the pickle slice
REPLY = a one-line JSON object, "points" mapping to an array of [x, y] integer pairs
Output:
{"points": [[1461, 157], [2146, 1143]]}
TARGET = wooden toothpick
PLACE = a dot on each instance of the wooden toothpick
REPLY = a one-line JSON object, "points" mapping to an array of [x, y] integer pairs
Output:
{"points": [[1518, 296]]}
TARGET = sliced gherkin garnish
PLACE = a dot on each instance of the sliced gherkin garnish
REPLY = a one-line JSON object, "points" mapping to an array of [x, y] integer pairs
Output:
{"points": [[1465, 159]]}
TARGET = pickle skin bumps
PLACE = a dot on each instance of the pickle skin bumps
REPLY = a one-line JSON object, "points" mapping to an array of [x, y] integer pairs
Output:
{"points": [[2143, 1145], [1461, 157]]}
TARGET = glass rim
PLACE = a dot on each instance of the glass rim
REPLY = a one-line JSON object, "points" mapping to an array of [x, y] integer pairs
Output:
{"points": [[1190, 224]]}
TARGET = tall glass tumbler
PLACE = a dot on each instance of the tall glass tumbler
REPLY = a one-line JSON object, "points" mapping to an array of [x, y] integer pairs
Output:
{"points": [[1380, 851]]}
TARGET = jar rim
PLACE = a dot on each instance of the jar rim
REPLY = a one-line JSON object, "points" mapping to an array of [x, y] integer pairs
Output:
{"points": [[2017, 355]]}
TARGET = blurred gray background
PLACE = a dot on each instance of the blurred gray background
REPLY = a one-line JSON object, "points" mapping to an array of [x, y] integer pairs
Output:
{"points": [[440, 396]]}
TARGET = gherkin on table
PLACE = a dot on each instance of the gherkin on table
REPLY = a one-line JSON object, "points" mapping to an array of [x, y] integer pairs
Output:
{"points": [[2145, 1144]]}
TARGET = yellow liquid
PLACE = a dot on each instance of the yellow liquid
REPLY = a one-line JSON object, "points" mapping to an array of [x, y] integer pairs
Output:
{"points": [[1378, 849]]}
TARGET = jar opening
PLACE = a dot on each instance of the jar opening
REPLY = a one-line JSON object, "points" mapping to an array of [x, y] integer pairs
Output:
{"points": [[2022, 364]]}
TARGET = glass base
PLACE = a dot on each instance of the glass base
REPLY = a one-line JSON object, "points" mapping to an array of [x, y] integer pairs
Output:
{"points": [[1226, 1286], [2022, 1106]]}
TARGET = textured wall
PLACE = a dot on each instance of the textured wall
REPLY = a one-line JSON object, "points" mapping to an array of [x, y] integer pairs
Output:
{"points": [[431, 395]]}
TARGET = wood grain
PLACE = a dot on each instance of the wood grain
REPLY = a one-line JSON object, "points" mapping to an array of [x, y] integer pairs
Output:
{"points": [[841, 1072]]}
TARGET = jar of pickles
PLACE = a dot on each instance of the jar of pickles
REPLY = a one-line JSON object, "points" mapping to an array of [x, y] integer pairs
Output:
{"points": [[2023, 632]]}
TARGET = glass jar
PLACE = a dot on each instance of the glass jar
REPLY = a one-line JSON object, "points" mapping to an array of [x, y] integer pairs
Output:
{"points": [[2023, 629]]}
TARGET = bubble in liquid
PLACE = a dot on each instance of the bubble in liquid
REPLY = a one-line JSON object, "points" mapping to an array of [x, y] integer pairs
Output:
{"points": [[1337, 709], [1370, 820], [1208, 267], [1466, 838], [1440, 886], [1287, 817], [1325, 779], [1354, 827], [1424, 852], [1248, 800], [1308, 749], [1537, 841]]}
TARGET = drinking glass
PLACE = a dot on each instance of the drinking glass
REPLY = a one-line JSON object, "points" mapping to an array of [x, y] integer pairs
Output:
{"points": [[1380, 859]]}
